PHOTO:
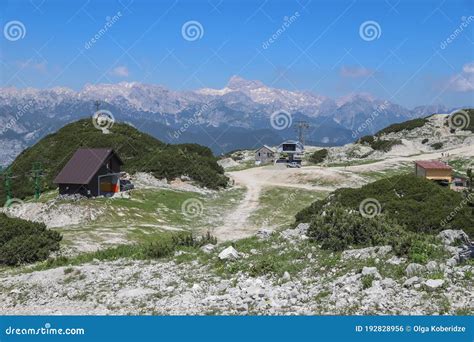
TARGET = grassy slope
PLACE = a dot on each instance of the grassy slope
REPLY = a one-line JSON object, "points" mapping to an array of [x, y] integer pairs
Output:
{"points": [[279, 205]]}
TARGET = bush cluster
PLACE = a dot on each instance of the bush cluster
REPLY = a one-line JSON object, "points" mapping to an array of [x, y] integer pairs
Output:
{"points": [[418, 204], [318, 156], [437, 146], [378, 144], [23, 241], [338, 228], [407, 126], [413, 210]]}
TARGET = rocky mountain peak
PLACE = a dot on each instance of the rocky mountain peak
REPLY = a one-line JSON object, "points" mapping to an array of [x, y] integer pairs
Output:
{"points": [[239, 83]]}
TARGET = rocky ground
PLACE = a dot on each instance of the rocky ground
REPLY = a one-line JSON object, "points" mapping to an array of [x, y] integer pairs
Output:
{"points": [[249, 279]]}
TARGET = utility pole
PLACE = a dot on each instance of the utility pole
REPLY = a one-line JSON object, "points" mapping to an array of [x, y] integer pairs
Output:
{"points": [[301, 127], [7, 179], [37, 172], [97, 105]]}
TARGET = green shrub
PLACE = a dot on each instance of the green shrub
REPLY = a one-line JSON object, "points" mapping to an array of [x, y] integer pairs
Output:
{"points": [[422, 250], [337, 228], [378, 144], [187, 239], [384, 145], [367, 281], [367, 140], [407, 125], [424, 141], [159, 249], [414, 202], [437, 145], [23, 241], [318, 156]]}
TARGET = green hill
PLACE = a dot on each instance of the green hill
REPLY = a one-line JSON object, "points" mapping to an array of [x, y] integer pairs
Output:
{"points": [[138, 151]]}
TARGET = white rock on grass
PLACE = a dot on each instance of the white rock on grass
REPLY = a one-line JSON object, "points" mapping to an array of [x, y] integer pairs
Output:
{"points": [[229, 254], [365, 253], [432, 266], [264, 233], [286, 276], [433, 284], [302, 228], [414, 269], [410, 282], [371, 271], [449, 236], [208, 248], [395, 260]]}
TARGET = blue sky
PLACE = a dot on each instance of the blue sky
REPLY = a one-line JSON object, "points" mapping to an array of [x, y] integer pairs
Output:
{"points": [[321, 49]]}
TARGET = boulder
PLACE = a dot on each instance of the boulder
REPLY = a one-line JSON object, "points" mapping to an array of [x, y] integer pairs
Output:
{"points": [[433, 284], [264, 233], [302, 228], [286, 276], [450, 236], [395, 260], [208, 248], [432, 266], [229, 254], [410, 282], [366, 253], [414, 269], [371, 271]]}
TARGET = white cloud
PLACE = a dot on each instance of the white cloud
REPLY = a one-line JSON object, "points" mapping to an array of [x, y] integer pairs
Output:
{"points": [[37, 66], [120, 71], [355, 72], [464, 81], [468, 68]]}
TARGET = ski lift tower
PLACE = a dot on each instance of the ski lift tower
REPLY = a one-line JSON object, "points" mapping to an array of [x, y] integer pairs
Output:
{"points": [[301, 127]]}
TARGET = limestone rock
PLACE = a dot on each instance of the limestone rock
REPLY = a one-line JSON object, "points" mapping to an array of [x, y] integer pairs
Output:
{"points": [[450, 236], [264, 233], [433, 284], [208, 248], [229, 254], [366, 253], [414, 269]]}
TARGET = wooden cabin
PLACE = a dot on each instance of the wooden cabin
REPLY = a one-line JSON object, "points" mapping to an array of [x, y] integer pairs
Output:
{"points": [[90, 172], [434, 170]]}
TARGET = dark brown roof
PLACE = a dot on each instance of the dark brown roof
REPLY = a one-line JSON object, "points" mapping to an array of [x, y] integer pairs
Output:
{"points": [[83, 165], [433, 164]]}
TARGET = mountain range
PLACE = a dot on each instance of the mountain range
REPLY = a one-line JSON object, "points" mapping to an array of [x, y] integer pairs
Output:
{"points": [[237, 116]]}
